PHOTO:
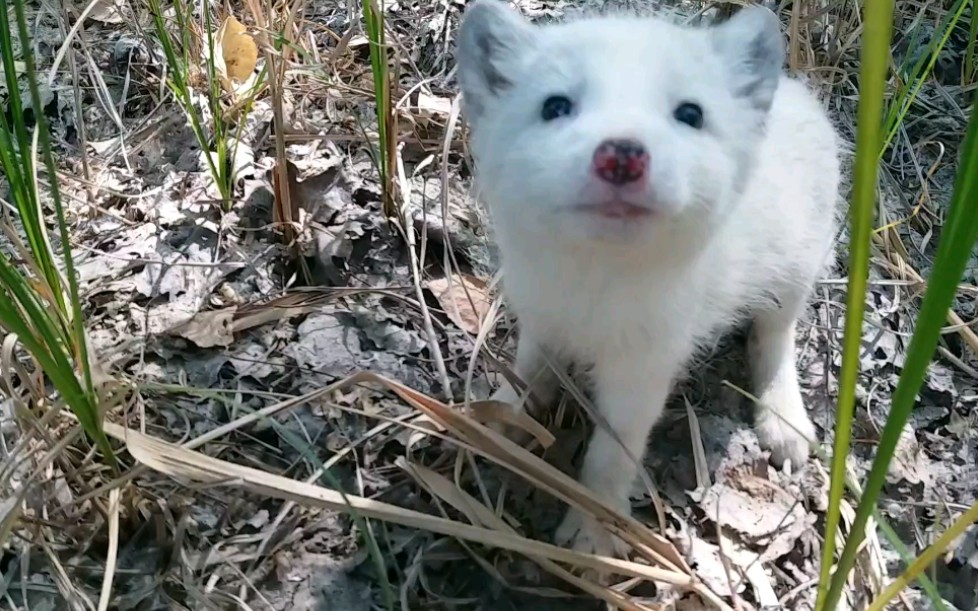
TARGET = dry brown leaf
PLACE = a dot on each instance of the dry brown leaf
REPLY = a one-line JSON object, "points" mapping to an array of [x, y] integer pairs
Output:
{"points": [[464, 298], [239, 52], [490, 411], [208, 329], [303, 195], [433, 104], [709, 564], [313, 189], [754, 507], [910, 462], [761, 583], [430, 108]]}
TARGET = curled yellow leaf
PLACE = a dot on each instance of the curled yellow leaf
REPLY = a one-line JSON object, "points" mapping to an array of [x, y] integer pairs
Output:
{"points": [[238, 50]]}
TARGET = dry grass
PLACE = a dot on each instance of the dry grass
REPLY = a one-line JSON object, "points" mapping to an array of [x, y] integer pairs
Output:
{"points": [[228, 497]]}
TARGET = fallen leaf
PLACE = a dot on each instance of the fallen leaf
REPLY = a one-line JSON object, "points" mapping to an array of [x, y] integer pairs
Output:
{"points": [[303, 195], [430, 107], [239, 53], [762, 513], [208, 329], [106, 11], [327, 342], [465, 300], [187, 277], [909, 463], [706, 558], [358, 41], [434, 105], [121, 254], [749, 505]]}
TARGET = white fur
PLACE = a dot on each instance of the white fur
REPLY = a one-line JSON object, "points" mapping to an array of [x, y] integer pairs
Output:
{"points": [[744, 213]]}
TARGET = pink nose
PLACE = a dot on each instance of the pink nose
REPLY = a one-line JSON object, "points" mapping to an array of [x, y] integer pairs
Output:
{"points": [[620, 161]]}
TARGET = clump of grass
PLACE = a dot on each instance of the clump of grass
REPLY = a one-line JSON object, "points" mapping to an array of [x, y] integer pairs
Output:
{"points": [[219, 146], [872, 82], [958, 236], [386, 153], [912, 78], [39, 306], [970, 65], [477, 520]]}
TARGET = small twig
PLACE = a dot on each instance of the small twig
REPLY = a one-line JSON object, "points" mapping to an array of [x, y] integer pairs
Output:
{"points": [[727, 569], [407, 231], [110, 560], [699, 452], [906, 269], [90, 191]]}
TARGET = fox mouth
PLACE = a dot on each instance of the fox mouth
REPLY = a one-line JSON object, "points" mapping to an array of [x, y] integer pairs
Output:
{"points": [[615, 209]]}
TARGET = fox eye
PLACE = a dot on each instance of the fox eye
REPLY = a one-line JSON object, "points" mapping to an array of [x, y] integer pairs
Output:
{"points": [[690, 114], [556, 106]]}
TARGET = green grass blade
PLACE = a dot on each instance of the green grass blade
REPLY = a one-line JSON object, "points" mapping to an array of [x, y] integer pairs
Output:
{"points": [[958, 236], [970, 65], [875, 54], [374, 23], [44, 140], [926, 559], [922, 70], [33, 302], [17, 161], [24, 316], [928, 586], [221, 168], [40, 339]]}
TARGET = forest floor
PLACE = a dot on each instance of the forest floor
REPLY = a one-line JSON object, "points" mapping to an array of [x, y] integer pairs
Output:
{"points": [[213, 316]]}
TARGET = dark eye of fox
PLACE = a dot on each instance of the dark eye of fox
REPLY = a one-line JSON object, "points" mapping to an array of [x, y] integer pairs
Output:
{"points": [[556, 106], [690, 114]]}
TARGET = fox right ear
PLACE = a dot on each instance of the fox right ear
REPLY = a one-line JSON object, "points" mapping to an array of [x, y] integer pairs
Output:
{"points": [[753, 47], [490, 38]]}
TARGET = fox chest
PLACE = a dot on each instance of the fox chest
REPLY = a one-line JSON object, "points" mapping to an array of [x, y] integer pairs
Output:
{"points": [[587, 316]]}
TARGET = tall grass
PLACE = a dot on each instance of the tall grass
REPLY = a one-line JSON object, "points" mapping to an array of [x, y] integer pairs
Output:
{"points": [[219, 147], [39, 305], [958, 236], [872, 83], [911, 78], [969, 65], [386, 151]]}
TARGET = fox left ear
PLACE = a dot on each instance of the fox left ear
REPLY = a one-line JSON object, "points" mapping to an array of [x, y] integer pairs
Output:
{"points": [[491, 38], [752, 45]]}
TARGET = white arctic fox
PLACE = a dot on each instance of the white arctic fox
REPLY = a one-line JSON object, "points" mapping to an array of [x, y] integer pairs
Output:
{"points": [[650, 185]]}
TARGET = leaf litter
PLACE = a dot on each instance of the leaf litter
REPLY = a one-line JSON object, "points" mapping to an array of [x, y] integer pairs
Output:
{"points": [[204, 311]]}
